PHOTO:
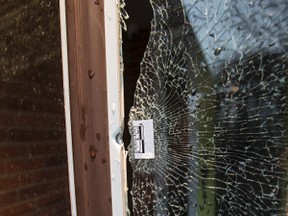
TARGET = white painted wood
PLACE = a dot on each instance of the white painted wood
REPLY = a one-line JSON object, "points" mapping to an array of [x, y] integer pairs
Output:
{"points": [[115, 107], [67, 106]]}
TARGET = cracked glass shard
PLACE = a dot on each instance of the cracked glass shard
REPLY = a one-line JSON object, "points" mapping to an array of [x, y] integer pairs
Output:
{"points": [[214, 81]]}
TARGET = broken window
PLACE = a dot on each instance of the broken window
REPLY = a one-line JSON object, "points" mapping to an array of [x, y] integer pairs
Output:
{"points": [[213, 82]]}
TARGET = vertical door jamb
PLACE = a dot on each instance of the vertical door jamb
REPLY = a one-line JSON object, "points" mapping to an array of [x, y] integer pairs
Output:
{"points": [[96, 109], [115, 95]]}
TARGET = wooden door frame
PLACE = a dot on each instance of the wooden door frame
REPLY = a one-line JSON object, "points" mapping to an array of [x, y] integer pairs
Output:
{"points": [[94, 110]]}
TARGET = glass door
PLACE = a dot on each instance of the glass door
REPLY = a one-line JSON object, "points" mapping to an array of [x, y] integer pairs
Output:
{"points": [[213, 85], [33, 159]]}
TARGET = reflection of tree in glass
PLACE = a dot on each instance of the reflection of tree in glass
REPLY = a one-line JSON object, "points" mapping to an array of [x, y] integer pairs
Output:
{"points": [[217, 94]]}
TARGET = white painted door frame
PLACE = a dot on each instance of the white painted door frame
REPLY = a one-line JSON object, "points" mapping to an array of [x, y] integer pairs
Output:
{"points": [[115, 90], [115, 107]]}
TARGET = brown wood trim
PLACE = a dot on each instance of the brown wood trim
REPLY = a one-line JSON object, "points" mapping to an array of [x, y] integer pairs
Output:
{"points": [[88, 95]]}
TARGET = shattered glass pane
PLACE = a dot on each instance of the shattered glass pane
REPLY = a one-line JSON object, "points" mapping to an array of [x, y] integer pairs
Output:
{"points": [[214, 81]]}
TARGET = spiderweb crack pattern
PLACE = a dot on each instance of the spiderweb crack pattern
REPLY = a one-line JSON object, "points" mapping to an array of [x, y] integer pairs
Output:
{"points": [[213, 79]]}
